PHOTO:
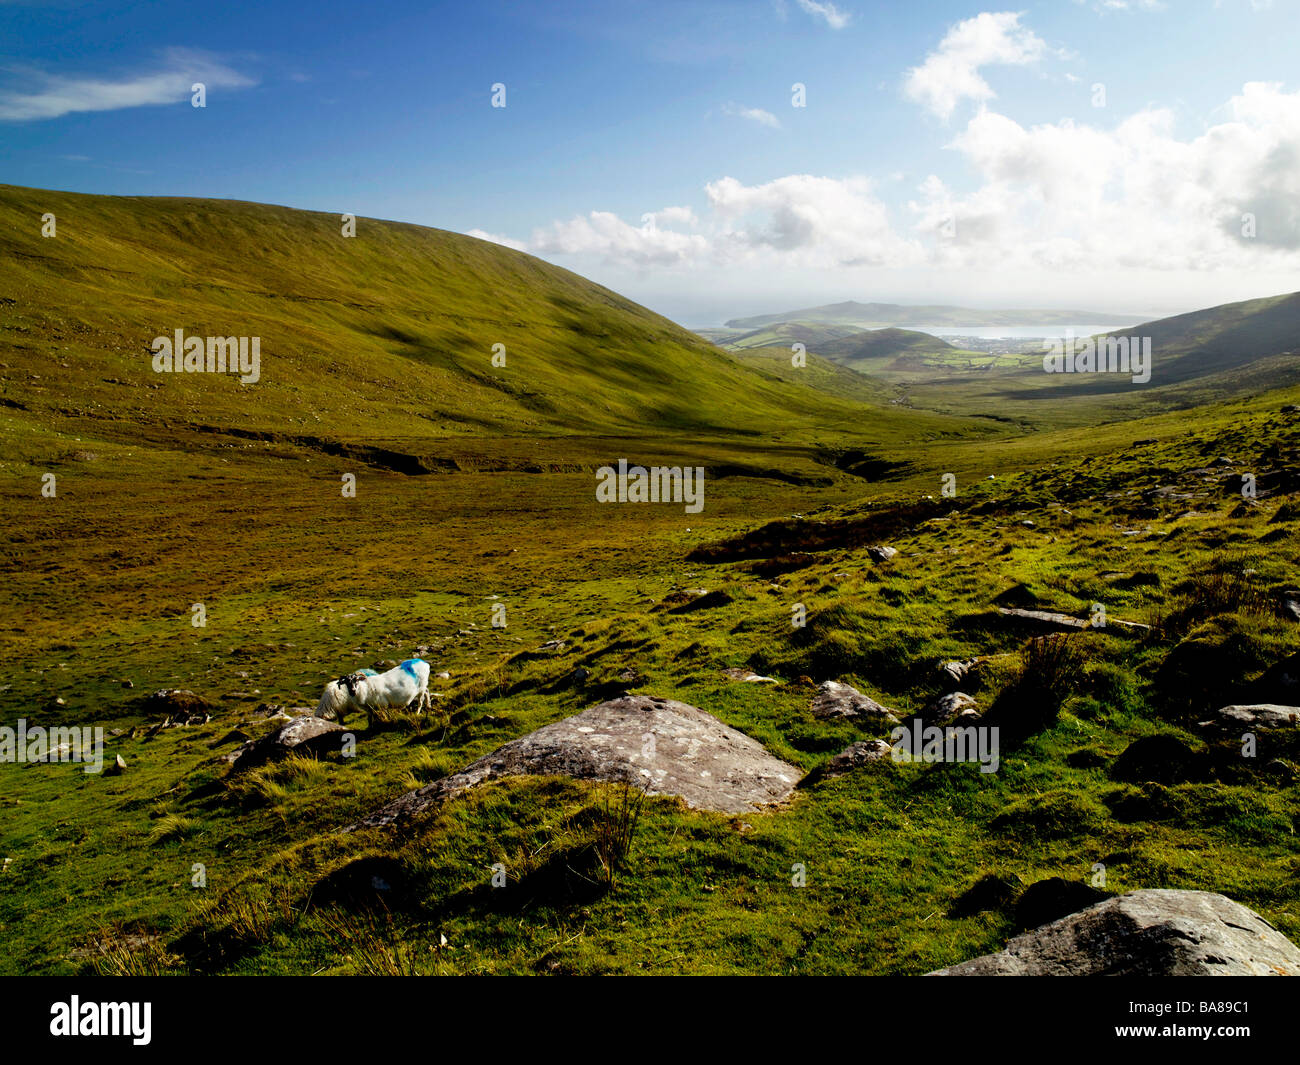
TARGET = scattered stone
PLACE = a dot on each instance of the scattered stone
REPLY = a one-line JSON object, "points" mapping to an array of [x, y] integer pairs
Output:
{"points": [[1156, 932], [694, 756], [955, 675], [881, 553], [119, 764], [177, 704], [951, 709], [835, 700], [303, 735], [746, 676], [1054, 620], [1256, 715], [852, 757], [1291, 604]]}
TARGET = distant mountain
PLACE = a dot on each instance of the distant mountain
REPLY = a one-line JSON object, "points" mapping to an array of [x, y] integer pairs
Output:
{"points": [[812, 335], [867, 349], [875, 315]]}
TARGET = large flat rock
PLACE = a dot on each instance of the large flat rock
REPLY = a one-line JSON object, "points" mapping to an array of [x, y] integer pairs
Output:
{"points": [[1158, 932], [661, 745]]}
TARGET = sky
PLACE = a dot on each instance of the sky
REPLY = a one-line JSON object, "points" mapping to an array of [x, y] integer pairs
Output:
{"points": [[714, 159]]}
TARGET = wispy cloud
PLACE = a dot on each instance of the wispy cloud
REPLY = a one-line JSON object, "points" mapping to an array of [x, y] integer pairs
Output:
{"points": [[834, 17], [39, 95], [951, 73], [754, 114]]}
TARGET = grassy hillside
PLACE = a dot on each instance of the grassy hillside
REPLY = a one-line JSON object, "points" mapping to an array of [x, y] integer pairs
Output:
{"points": [[1223, 338], [389, 333]]}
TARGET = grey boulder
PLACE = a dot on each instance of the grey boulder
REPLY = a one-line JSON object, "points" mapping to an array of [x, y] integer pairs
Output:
{"points": [[1157, 932], [660, 745]]}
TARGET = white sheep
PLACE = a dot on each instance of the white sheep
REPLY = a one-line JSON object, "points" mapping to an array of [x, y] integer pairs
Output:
{"points": [[367, 690]]}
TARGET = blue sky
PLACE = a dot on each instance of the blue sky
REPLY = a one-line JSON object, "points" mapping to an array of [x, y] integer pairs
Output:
{"points": [[947, 152]]}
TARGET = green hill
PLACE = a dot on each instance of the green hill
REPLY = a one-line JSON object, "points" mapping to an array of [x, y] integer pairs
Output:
{"points": [[1222, 338], [811, 334], [386, 334]]}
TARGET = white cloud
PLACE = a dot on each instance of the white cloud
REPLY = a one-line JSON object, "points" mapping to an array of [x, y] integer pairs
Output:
{"points": [[952, 72], [754, 114], [607, 236], [495, 238], [800, 219], [834, 17], [1063, 196], [50, 96]]}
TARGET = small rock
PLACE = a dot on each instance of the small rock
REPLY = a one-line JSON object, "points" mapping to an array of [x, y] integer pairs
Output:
{"points": [[881, 553], [949, 709], [854, 756], [835, 700], [1257, 715]]}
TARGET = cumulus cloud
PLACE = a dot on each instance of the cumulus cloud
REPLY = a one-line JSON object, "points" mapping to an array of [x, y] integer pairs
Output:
{"points": [[753, 114], [43, 96], [951, 73], [604, 234], [1062, 194], [800, 219]]}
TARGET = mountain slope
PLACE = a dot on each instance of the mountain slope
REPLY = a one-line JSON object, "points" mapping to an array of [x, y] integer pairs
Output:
{"points": [[1222, 338], [390, 332]]}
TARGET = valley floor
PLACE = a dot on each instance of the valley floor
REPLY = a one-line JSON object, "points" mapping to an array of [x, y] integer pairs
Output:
{"points": [[174, 865]]}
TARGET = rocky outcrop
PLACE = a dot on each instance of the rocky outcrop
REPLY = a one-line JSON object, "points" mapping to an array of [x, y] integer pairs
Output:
{"points": [[1157, 932], [660, 745]]}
